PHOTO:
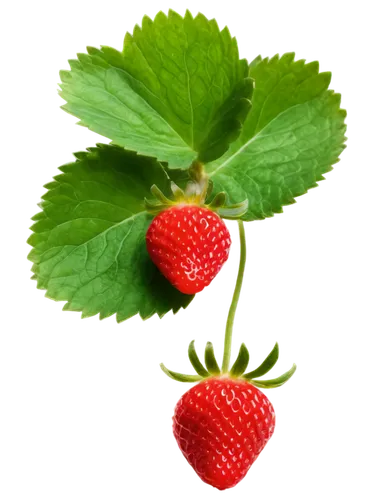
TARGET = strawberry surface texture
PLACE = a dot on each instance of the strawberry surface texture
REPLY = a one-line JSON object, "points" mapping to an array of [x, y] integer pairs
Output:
{"points": [[221, 425], [189, 244]]}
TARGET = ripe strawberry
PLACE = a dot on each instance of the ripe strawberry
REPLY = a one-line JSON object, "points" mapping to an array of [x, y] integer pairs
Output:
{"points": [[189, 244], [221, 425]]}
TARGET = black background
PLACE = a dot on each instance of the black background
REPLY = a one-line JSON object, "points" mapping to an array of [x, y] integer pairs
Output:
{"points": [[92, 417]]}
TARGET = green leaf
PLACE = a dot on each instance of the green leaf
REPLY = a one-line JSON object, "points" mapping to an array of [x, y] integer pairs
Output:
{"points": [[194, 360], [180, 377], [89, 239], [293, 135], [210, 360], [266, 366], [241, 362], [178, 91], [276, 382]]}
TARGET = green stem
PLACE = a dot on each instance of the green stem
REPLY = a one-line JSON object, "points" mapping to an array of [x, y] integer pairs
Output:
{"points": [[236, 296]]}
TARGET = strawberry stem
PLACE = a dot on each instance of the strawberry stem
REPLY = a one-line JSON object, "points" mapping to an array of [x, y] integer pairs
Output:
{"points": [[200, 181], [236, 296]]}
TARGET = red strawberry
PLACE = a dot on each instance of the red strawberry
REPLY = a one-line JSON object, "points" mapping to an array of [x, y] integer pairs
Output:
{"points": [[189, 244], [221, 425]]}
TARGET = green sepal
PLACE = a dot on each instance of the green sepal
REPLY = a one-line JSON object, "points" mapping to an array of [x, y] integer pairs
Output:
{"points": [[178, 193], [194, 360], [210, 360], [180, 377], [235, 211], [266, 366], [241, 362], [153, 207], [210, 188], [159, 195], [218, 201], [194, 187], [276, 382]]}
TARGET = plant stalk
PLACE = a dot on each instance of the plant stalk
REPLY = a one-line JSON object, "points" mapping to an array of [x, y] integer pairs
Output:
{"points": [[236, 296]]}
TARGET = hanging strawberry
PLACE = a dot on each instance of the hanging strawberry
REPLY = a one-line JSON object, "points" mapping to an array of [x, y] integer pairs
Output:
{"points": [[222, 424], [187, 240]]}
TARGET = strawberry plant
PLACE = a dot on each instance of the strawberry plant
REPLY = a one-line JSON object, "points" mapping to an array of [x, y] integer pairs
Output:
{"points": [[198, 136]]}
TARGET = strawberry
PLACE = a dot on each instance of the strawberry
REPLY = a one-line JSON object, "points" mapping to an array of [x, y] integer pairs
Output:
{"points": [[221, 425], [189, 244]]}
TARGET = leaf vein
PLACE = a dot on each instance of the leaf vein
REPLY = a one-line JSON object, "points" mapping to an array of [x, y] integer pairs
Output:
{"points": [[96, 236]]}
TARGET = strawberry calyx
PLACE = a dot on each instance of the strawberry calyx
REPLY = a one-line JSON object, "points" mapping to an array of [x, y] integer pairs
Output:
{"points": [[197, 192], [237, 371]]}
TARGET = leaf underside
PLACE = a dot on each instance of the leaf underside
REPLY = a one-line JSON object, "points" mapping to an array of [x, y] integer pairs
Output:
{"points": [[178, 91], [89, 240], [293, 135]]}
